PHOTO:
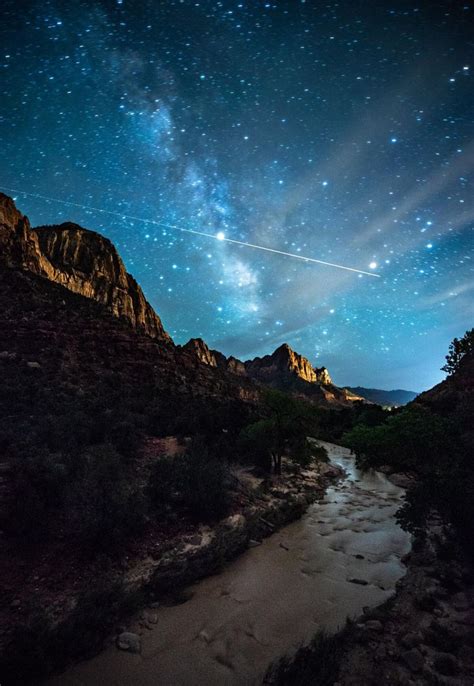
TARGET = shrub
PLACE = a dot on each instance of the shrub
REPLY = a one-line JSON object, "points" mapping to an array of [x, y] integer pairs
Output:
{"points": [[165, 480], [318, 663], [198, 481], [103, 506], [206, 483], [38, 486]]}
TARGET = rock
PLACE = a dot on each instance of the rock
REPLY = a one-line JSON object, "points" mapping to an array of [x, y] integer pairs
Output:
{"points": [[82, 261], [152, 619], [374, 625], [426, 601], [33, 365], [359, 557], [254, 544], [446, 664], [401, 480], [129, 641], [411, 640], [360, 582], [286, 363], [413, 659]]}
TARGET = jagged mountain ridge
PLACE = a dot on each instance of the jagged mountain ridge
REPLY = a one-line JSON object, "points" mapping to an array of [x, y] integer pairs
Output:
{"points": [[284, 369], [394, 398], [81, 260], [88, 264]]}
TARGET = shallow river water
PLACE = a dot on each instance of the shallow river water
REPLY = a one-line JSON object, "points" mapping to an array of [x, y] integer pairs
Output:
{"points": [[272, 598]]}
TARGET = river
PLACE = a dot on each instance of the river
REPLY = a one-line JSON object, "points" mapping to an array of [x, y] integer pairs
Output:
{"points": [[274, 597]]}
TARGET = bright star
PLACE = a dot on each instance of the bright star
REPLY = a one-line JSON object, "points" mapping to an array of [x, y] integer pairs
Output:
{"points": [[220, 235], [373, 265]]}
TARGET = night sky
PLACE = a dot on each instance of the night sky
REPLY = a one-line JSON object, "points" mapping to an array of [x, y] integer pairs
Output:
{"points": [[342, 131]]}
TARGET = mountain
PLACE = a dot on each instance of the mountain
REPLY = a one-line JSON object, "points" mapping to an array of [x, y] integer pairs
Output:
{"points": [[86, 263], [284, 369], [285, 364], [78, 259], [393, 398]]}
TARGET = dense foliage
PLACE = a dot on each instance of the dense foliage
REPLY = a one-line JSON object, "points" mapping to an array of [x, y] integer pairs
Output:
{"points": [[283, 430], [198, 481], [433, 439]]}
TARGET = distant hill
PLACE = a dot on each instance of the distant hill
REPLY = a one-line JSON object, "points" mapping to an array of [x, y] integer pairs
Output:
{"points": [[391, 398]]}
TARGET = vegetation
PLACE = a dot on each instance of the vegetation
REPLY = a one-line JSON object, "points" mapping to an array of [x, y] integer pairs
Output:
{"points": [[198, 482], [412, 437], [283, 431], [435, 441], [458, 348], [317, 663]]}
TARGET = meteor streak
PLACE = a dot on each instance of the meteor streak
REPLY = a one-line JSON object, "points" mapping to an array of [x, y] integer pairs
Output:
{"points": [[219, 236]]}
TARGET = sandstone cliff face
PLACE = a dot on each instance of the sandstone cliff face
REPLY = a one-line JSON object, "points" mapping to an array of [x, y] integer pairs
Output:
{"points": [[284, 369], [198, 348], [285, 362], [201, 351], [87, 263], [18, 244], [83, 261]]}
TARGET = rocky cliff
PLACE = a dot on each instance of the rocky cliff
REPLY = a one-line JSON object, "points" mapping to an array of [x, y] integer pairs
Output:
{"points": [[284, 369], [88, 264], [285, 363], [199, 349], [81, 260]]}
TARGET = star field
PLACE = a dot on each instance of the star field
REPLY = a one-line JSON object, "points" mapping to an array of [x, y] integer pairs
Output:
{"points": [[341, 131]]}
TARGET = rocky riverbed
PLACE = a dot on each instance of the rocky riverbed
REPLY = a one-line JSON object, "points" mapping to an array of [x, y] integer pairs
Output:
{"points": [[425, 635], [343, 555]]}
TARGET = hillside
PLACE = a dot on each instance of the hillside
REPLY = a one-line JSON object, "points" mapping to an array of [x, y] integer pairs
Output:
{"points": [[394, 398]]}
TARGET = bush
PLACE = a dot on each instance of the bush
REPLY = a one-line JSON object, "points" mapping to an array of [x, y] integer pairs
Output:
{"points": [[198, 481], [206, 484], [102, 505], [38, 488], [164, 482], [318, 663]]}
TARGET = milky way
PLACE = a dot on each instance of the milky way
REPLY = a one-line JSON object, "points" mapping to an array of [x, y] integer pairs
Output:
{"points": [[339, 130]]}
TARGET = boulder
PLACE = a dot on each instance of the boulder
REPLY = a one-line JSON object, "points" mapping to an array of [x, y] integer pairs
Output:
{"points": [[129, 641], [446, 664], [413, 659], [411, 640]]}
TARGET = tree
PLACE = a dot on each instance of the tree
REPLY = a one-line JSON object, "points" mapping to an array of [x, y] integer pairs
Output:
{"points": [[285, 429], [413, 439], [457, 350]]}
